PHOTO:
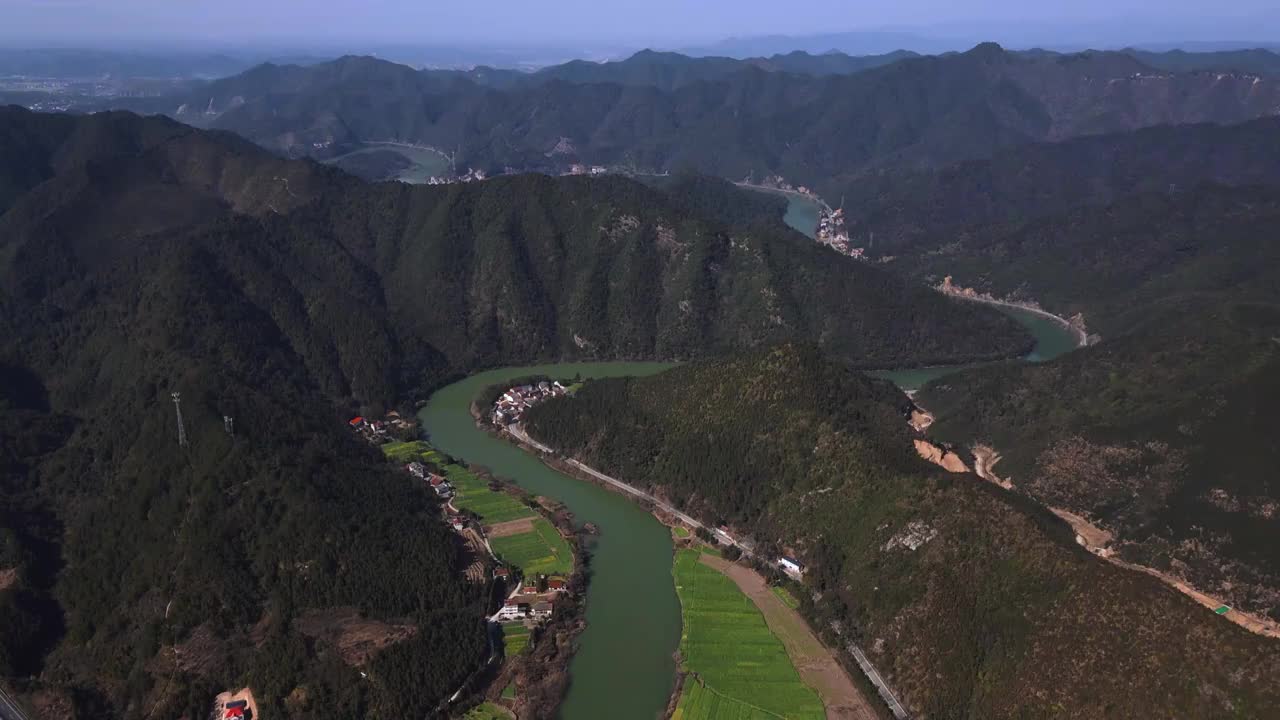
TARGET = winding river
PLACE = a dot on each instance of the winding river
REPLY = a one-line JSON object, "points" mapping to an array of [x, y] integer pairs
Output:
{"points": [[624, 668]]}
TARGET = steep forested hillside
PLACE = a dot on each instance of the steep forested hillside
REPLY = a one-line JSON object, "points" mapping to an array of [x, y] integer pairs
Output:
{"points": [[824, 130], [972, 602], [1159, 436], [1118, 263], [149, 577], [930, 208], [139, 257]]}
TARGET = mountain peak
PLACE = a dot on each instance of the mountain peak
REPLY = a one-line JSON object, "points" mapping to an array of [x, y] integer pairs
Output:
{"points": [[987, 51]]}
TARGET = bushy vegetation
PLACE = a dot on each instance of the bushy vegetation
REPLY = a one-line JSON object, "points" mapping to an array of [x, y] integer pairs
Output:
{"points": [[736, 663], [985, 618]]}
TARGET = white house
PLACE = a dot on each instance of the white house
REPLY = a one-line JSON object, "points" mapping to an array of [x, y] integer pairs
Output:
{"points": [[791, 566], [512, 611]]}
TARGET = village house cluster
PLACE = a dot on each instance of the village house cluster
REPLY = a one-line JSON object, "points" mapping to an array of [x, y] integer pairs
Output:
{"points": [[472, 175], [510, 407], [831, 232], [378, 431], [579, 169], [529, 600]]}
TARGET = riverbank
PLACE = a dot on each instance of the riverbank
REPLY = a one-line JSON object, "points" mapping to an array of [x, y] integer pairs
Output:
{"points": [[817, 664], [1080, 333], [623, 665]]}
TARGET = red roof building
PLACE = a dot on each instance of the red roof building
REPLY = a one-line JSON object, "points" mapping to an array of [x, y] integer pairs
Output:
{"points": [[234, 712], [356, 421]]}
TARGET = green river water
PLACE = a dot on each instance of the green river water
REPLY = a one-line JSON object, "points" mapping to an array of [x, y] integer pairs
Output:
{"points": [[624, 667]]}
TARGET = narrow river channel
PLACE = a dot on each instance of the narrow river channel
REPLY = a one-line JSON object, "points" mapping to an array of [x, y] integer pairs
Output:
{"points": [[624, 667]]}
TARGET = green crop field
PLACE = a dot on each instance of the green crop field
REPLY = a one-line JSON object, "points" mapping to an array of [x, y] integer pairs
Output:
{"points": [[681, 531], [487, 711], [509, 692], [515, 638], [725, 641], [698, 702], [404, 452], [541, 550], [786, 597], [473, 494]]}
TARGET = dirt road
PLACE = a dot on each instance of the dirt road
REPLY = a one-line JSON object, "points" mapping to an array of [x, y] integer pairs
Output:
{"points": [[1096, 539], [818, 668]]}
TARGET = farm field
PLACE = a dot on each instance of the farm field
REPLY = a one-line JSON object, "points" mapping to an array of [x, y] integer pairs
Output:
{"points": [[698, 702], [473, 494], [487, 711], [541, 550], [742, 669], [681, 531], [405, 452], [515, 638]]}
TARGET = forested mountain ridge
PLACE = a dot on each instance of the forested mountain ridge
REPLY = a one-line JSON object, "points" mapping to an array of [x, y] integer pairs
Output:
{"points": [[1158, 437], [1121, 262], [140, 257], [919, 112], [971, 602], [929, 208]]}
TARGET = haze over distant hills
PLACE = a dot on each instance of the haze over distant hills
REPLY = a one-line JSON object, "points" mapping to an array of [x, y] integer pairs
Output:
{"points": [[822, 130], [204, 250]]}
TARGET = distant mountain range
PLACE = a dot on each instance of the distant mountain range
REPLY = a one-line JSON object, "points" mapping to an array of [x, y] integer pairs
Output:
{"points": [[659, 112]]}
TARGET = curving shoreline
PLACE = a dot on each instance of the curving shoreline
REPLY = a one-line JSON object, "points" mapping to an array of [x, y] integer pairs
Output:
{"points": [[1082, 338]]}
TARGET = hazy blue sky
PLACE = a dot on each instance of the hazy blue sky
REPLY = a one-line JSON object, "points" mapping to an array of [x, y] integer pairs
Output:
{"points": [[665, 23]]}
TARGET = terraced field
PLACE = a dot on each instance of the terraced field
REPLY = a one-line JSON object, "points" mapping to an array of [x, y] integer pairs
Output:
{"points": [[738, 669], [473, 494], [541, 550]]}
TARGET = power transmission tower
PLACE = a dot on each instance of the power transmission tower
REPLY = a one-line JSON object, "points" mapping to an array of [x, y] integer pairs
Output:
{"points": [[228, 424], [182, 431]]}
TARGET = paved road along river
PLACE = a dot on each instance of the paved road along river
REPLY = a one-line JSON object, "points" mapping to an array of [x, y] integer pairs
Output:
{"points": [[624, 668]]}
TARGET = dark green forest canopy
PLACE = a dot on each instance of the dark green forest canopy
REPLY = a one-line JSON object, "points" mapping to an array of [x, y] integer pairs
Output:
{"points": [[1123, 262], [140, 257], [990, 613], [926, 211], [1161, 436]]}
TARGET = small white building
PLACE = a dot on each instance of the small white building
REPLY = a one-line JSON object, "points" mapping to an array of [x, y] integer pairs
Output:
{"points": [[512, 612], [791, 566]]}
